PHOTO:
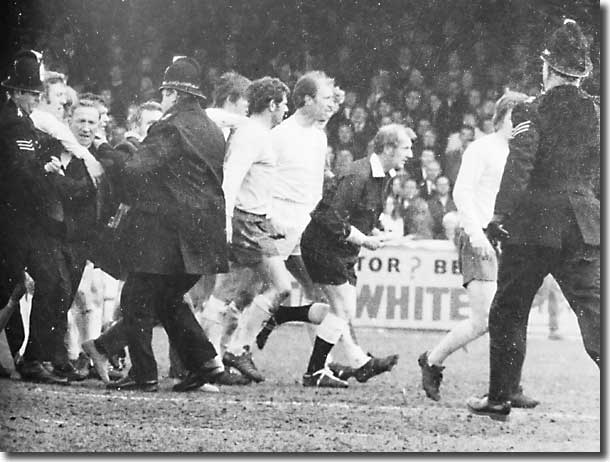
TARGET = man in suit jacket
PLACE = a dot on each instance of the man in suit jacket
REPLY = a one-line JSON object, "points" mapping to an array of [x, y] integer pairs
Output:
{"points": [[440, 204], [548, 203], [174, 231]]}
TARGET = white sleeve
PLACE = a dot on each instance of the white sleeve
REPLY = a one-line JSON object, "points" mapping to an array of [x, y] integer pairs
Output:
{"points": [[241, 154], [469, 175], [224, 118], [51, 126]]}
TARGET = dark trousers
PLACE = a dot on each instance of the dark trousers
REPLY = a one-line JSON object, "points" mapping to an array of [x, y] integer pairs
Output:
{"points": [[52, 266], [576, 268], [151, 298]]}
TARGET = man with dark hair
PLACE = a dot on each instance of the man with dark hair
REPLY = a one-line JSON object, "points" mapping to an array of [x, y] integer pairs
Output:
{"points": [[249, 175], [174, 232], [548, 213]]}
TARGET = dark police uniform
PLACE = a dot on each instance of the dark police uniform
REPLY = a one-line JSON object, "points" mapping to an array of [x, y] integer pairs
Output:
{"points": [[549, 199], [174, 233]]}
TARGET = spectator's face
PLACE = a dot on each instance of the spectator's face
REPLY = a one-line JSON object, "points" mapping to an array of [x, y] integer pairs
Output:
{"points": [[466, 137], [429, 139], [404, 57], [147, 119], [487, 127], [412, 100], [410, 189], [398, 117], [385, 120], [427, 157], [474, 98], [345, 134], [343, 160], [423, 126], [350, 99], [385, 109], [359, 115], [433, 170], [84, 124], [57, 99], [469, 119], [442, 185], [454, 89], [435, 102]]}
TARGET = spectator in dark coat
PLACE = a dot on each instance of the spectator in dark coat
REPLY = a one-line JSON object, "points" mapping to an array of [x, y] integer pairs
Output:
{"points": [[440, 204]]}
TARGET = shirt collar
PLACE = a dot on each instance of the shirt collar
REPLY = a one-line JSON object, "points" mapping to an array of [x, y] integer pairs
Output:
{"points": [[377, 168]]}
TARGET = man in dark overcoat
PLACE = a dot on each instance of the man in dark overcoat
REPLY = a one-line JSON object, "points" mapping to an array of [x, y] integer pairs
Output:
{"points": [[32, 229], [549, 212], [174, 231]]}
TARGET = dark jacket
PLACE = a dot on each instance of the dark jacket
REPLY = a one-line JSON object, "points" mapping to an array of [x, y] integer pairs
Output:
{"points": [[438, 211], [173, 184], [551, 177], [356, 200], [23, 181]]}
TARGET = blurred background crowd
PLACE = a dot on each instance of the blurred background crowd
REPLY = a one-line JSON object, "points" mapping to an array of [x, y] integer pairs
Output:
{"points": [[437, 66]]}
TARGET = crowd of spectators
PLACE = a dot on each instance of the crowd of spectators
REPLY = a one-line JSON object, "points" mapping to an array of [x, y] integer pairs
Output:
{"points": [[435, 69]]}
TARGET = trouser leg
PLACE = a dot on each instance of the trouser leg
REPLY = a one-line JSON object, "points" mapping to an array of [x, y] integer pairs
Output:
{"points": [[520, 275], [52, 296], [140, 294], [579, 279], [185, 333]]}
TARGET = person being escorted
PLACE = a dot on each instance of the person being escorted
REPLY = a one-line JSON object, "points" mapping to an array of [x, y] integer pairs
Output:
{"points": [[548, 213], [476, 187], [343, 222], [173, 233]]}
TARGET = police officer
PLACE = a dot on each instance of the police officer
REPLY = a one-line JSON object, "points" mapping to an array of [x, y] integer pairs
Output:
{"points": [[548, 212], [32, 225], [174, 231]]}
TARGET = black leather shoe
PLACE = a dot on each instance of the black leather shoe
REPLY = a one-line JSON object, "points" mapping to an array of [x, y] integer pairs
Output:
{"points": [[520, 400], [70, 372], [128, 383], [231, 378], [34, 371], [375, 366], [194, 380], [495, 410]]}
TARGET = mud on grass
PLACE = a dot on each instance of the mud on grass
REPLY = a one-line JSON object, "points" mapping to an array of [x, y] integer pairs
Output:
{"points": [[390, 413]]}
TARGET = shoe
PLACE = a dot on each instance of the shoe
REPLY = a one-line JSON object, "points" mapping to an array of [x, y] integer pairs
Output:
{"points": [[100, 362], [231, 378], [4, 373], [375, 366], [341, 371], [263, 335], [34, 371], [70, 372], [431, 377], [244, 364], [495, 410], [194, 380], [323, 378], [128, 383], [520, 400]]}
